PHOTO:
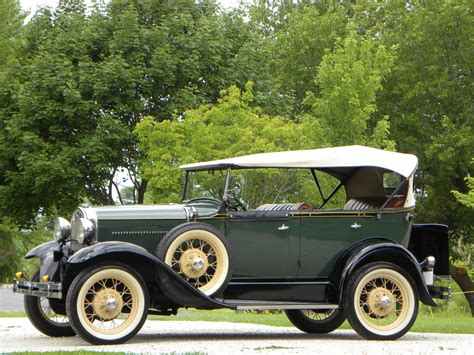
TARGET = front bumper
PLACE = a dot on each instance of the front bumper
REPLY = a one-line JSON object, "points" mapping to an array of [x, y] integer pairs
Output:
{"points": [[440, 292], [38, 289]]}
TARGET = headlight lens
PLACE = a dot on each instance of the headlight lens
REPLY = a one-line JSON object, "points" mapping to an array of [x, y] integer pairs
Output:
{"points": [[82, 230], [62, 229]]}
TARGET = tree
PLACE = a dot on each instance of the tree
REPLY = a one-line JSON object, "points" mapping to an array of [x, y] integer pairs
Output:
{"points": [[229, 128], [83, 81], [428, 97], [11, 19], [348, 80], [300, 47]]}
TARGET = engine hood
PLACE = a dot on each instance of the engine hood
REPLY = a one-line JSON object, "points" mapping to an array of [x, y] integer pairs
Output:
{"points": [[172, 211]]}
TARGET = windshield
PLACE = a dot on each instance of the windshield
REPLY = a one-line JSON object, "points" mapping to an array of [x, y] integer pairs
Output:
{"points": [[209, 184], [256, 187]]}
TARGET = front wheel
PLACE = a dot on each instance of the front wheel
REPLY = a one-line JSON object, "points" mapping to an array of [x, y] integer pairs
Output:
{"points": [[107, 304], [42, 315], [316, 321], [381, 301]]}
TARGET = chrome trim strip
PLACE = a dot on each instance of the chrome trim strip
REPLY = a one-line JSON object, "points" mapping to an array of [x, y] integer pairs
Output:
{"points": [[141, 212]]}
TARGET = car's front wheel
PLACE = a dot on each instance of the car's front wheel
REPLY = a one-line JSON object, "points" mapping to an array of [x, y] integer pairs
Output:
{"points": [[315, 321], [107, 304], [41, 313], [381, 301]]}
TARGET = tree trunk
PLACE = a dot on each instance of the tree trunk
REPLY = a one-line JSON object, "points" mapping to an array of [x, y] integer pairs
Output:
{"points": [[460, 275], [141, 190]]}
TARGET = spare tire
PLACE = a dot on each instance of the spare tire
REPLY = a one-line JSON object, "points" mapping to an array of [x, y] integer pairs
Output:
{"points": [[200, 254]]}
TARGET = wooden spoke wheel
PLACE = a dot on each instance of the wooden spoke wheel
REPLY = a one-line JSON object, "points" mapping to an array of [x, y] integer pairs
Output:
{"points": [[382, 302], [44, 317], [316, 321], [107, 305], [199, 254]]}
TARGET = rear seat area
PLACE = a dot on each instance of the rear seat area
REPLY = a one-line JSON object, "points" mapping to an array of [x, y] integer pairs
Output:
{"points": [[302, 206], [374, 203]]}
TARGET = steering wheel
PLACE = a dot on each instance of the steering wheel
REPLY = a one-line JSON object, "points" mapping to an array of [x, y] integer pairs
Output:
{"points": [[237, 201], [212, 201]]}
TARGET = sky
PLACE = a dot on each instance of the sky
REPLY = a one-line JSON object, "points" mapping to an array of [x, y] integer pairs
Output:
{"points": [[34, 4]]}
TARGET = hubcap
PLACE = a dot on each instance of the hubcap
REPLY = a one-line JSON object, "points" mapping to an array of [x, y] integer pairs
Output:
{"points": [[380, 301], [193, 263], [198, 264], [107, 303]]}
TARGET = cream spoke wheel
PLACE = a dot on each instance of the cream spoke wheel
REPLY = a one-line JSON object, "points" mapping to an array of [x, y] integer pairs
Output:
{"points": [[53, 317], [316, 321], [384, 302], [200, 258], [318, 315], [43, 314], [108, 304]]}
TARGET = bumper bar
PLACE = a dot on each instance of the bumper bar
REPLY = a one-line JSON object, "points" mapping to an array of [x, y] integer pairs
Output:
{"points": [[39, 289], [441, 292]]}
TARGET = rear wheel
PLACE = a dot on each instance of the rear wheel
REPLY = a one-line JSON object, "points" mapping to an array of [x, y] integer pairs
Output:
{"points": [[42, 315], [381, 301], [315, 321], [107, 304]]}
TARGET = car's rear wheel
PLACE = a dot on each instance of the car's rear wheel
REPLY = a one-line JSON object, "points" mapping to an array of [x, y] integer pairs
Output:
{"points": [[42, 315], [107, 304], [381, 301], [316, 321], [200, 254]]}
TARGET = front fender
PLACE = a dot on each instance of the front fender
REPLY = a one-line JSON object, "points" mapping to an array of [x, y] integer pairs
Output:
{"points": [[394, 253], [45, 252], [134, 255], [42, 250]]}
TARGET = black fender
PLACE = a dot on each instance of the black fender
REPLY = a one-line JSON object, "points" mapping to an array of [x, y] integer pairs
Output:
{"points": [[49, 262], [141, 261], [389, 252]]}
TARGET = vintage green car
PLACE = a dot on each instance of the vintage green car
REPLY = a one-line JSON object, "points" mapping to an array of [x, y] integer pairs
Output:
{"points": [[323, 234]]}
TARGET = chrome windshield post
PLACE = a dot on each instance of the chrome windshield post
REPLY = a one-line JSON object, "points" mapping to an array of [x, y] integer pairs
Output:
{"points": [[226, 187]]}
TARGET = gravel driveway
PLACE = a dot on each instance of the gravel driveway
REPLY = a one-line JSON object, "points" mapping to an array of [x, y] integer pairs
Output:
{"points": [[17, 334]]}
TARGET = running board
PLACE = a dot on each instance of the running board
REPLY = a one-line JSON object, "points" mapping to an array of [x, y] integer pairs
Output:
{"points": [[242, 305]]}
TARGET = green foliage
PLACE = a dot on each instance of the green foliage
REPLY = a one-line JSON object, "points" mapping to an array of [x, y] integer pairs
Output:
{"points": [[11, 19], [300, 47], [229, 128], [14, 244], [467, 199], [428, 97], [81, 82], [349, 79], [8, 255]]}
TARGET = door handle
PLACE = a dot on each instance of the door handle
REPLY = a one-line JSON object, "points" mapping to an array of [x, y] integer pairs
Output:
{"points": [[283, 227], [356, 226]]}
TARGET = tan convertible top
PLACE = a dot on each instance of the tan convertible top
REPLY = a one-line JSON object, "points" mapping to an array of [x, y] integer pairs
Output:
{"points": [[337, 159]]}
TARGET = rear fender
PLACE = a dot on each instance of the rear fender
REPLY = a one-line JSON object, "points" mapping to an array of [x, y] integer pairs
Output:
{"points": [[389, 252], [141, 261]]}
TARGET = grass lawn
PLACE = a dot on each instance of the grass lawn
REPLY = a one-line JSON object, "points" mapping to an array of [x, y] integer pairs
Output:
{"points": [[425, 323]]}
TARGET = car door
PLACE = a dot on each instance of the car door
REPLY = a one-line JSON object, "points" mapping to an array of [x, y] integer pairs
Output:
{"points": [[325, 235], [265, 244]]}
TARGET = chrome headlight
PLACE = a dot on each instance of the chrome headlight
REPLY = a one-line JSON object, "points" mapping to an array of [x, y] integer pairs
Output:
{"points": [[82, 230], [62, 229]]}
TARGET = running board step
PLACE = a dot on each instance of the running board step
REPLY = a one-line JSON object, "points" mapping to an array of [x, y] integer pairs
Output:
{"points": [[242, 305]]}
